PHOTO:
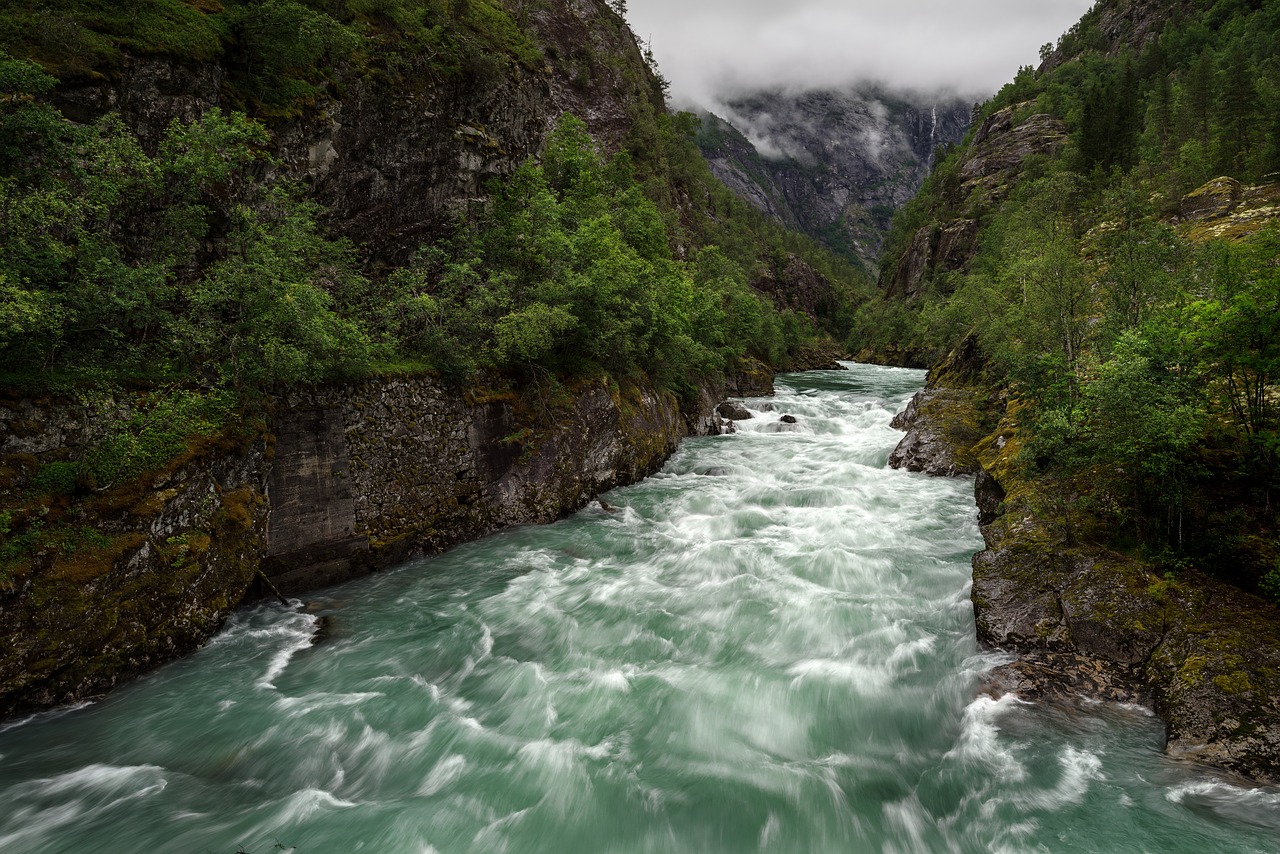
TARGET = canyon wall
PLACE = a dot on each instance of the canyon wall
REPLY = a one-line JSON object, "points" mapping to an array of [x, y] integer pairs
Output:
{"points": [[325, 484]]}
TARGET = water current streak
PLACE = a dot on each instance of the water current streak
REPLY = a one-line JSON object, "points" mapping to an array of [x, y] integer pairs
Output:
{"points": [[766, 647]]}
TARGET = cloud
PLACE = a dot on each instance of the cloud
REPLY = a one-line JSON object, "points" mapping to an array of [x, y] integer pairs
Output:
{"points": [[711, 50]]}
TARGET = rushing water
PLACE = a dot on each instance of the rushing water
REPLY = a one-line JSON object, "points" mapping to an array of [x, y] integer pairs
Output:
{"points": [[767, 647]]}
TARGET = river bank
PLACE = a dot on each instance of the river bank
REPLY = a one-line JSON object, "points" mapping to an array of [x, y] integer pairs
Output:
{"points": [[311, 488], [767, 645], [1087, 622]]}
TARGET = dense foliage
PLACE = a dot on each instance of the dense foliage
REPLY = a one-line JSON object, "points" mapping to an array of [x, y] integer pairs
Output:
{"points": [[281, 55], [105, 262], [571, 269], [183, 265], [1145, 362]]}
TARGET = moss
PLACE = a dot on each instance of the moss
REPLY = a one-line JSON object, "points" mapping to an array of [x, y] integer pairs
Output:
{"points": [[154, 503], [1192, 670], [93, 561], [238, 510], [478, 395], [1234, 683]]}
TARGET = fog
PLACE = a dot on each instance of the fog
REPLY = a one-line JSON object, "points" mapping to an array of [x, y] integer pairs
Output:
{"points": [[711, 50]]}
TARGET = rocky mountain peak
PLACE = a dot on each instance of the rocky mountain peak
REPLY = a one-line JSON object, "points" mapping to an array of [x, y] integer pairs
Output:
{"points": [[834, 164]]}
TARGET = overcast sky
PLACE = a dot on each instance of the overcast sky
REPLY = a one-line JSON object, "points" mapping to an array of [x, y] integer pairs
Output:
{"points": [[712, 49]]}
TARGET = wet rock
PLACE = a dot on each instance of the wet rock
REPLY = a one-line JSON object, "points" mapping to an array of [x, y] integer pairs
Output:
{"points": [[988, 494], [819, 357], [789, 419], [323, 630], [1087, 622], [1066, 677], [713, 471], [941, 427], [733, 411]]}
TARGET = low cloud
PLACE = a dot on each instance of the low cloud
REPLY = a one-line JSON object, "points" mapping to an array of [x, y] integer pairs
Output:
{"points": [[712, 50]]}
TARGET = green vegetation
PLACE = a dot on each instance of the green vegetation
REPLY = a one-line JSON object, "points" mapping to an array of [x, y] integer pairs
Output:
{"points": [[106, 272], [176, 275], [571, 271], [280, 55], [1144, 363], [103, 265]]}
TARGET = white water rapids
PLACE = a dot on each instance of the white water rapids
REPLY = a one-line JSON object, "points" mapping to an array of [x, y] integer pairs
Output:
{"points": [[769, 646]]}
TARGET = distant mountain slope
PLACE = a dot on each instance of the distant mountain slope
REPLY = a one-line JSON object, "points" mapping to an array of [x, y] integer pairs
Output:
{"points": [[833, 164]]}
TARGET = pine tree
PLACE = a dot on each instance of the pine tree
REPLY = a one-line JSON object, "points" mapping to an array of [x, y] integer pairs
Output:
{"points": [[1198, 91], [1125, 118], [1237, 111]]}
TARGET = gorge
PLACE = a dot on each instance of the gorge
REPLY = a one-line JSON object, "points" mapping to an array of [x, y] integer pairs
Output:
{"points": [[415, 434], [769, 644]]}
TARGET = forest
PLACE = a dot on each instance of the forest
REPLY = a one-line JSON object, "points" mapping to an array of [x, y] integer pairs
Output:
{"points": [[1142, 352], [193, 275], [186, 261]]}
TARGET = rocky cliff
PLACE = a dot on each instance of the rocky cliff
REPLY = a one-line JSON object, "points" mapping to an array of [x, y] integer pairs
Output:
{"points": [[990, 167], [396, 157], [123, 578], [1086, 622], [1113, 27], [833, 164], [330, 483]]}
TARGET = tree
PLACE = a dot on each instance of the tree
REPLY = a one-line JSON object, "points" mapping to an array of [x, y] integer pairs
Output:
{"points": [[1136, 254], [1237, 113], [1142, 420]]}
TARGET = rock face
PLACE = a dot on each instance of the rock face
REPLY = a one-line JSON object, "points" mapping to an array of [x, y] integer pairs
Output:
{"points": [[1225, 209], [338, 481], [990, 169], [819, 357], [930, 446], [163, 566], [792, 284], [1000, 147], [1090, 623], [733, 411], [395, 163], [372, 473], [946, 419], [1133, 25], [833, 164], [1086, 622]]}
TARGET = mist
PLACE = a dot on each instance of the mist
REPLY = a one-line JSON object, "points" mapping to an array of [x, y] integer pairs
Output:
{"points": [[713, 50]]}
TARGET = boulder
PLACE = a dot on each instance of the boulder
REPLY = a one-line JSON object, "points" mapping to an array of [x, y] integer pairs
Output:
{"points": [[733, 411], [1216, 198], [942, 427]]}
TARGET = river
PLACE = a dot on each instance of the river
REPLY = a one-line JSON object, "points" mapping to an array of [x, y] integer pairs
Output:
{"points": [[768, 646]]}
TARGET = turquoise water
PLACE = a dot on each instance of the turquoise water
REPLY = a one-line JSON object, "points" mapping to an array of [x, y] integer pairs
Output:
{"points": [[768, 646]]}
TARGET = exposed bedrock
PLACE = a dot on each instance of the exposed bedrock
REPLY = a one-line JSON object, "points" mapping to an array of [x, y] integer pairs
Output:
{"points": [[1087, 622], [331, 483]]}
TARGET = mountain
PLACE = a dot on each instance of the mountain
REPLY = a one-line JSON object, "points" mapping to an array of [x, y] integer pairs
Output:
{"points": [[832, 164], [294, 289], [388, 140]]}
